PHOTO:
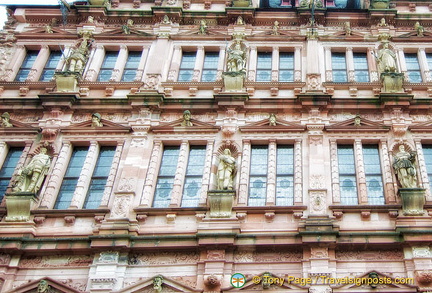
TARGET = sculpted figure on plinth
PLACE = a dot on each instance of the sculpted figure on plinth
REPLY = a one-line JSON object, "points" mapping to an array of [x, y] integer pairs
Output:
{"points": [[404, 168], [78, 59], [226, 171]]}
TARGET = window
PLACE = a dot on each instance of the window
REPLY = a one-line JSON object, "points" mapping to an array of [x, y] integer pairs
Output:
{"points": [[348, 174], [264, 66], [71, 177], [50, 66], [427, 153], [131, 66], [193, 178], [361, 71], [339, 67], [187, 66], [99, 178], [258, 176], [8, 168], [286, 67], [210, 66], [26, 66], [413, 67], [166, 176], [107, 67], [429, 60]]}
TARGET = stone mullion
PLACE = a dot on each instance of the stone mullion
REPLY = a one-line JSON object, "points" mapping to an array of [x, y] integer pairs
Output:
{"points": [[175, 64], [253, 55], [334, 172], [328, 64], [95, 63], [39, 64], [361, 175], [15, 63], [372, 65], [275, 64], [297, 64], [180, 175], [349, 59], [141, 66], [207, 172], [150, 181], [424, 68], [120, 64], [199, 63], [298, 174], [424, 182], [271, 174], [3, 152], [221, 62], [402, 63], [244, 173], [55, 179], [111, 176], [62, 61], [85, 176], [389, 191]]}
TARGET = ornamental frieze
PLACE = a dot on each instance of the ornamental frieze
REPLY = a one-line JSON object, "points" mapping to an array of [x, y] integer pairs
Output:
{"points": [[164, 258], [55, 261], [268, 256], [370, 255]]}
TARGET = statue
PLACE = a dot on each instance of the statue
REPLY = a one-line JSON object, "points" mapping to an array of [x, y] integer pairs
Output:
{"points": [[203, 27], [272, 119], [157, 283], [166, 20], [382, 22], [77, 60], [186, 119], [347, 28], [48, 29], [236, 58], [386, 59], [357, 120], [404, 168], [126, 27], [5, 120], [96, 120], [43, 287], [275, 28], [30, 177], [419, 29], [240, 21], [226, 171]]}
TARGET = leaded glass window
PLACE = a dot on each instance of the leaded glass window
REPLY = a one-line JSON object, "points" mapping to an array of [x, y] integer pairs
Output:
{"points": [[372, 166], [285, 176], [347, 175], [339, 67], [258, 176], [427, 153], [131, 66], [8, 168], [193, 178], [27, 65], [187, 66], [50, 66], [166, 176], [413, 67], [209, 70], [108, 65], [361, 70], [264, 66], [286, 67]]}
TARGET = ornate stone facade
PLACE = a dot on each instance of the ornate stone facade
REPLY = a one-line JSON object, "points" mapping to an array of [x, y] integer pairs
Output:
{"points": [[188, 141]]}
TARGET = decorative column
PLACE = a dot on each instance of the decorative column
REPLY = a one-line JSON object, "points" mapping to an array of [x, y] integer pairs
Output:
{"points": [[328, 65], [361, 176], [389, 191], [142, 63], [424, 67], [271, 171], [179, 175], [297, 64], [205, 185], [66, 52], [95, 63], [85, 176], [221, 62], [199, 61], [152, 171], [275, 64], [252, 63], [372, 65], [120, 64], [175, 64], [298, 175], [244, 175], [334, 171], [3, 152], [15, 63], [111, 176], [38, 65], [55, 180], [401, 63], [350, 64]]}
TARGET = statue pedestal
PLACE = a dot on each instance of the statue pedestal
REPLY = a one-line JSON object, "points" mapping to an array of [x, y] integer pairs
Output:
{"points": [[392, 82], [18, 206], [67, 81], [233, 81], [413, 200], [221, 202]]}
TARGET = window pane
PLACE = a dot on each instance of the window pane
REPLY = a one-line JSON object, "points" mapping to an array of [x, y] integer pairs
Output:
{"points": [[107, 67], [99, 178], [413, 68], [285, 175], [26, 65], [347, 175], [166, 175], [8, 168], [264, 65], [187, 67], [131, 66], [286, 67], [50, 66], [339, 67], [361, 70], [258, 176], [71, 177], [372, 165], [427, 153], [193, 179], [209, 71]]}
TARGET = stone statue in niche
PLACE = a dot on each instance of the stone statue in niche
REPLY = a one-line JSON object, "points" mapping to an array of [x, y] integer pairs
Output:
{"points": [[203, 27], [386, 59], [404, 168], [272, 120], [391, 78], [275, 28], [30, 177], [187, 118], [226, 171], [236, 58], [96, 120], [157, 283], [77, 60], [5, 120]]}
